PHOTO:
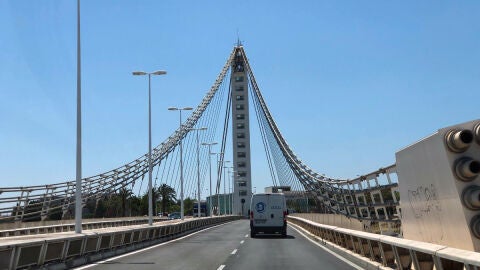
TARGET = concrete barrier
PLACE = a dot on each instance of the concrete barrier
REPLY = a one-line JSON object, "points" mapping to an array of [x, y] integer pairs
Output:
{"points": [[67, 249], [69, 227], [374, 251]]}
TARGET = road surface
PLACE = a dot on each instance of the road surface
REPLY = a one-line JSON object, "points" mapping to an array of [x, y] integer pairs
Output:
{"points": [[228, 246]]}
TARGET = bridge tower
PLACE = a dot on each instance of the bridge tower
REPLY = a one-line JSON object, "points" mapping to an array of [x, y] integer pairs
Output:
{"points": [[242, 183]]}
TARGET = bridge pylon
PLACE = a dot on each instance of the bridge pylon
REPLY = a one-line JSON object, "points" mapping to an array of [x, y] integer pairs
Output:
{"points": [[242, 176]]}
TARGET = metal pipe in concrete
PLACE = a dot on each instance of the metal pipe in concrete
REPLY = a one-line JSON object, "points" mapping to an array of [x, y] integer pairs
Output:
{"points": [[476, 131], [459, 140], [467, 169], [471, 197], [475, 226]]}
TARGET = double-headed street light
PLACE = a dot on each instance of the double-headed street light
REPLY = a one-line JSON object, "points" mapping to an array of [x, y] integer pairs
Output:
{"points": [[141, 73], [181, 157], [210, 170], [198, 165]]}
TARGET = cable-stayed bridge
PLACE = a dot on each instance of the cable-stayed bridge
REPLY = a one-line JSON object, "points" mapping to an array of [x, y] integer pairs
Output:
{"points": [[285, 168], [430, 194]]}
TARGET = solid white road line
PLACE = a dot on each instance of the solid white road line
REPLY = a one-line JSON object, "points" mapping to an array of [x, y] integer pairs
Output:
{"points": [[234, 251], [241, 242], [326, 249], [145, 249], [221, 267]]}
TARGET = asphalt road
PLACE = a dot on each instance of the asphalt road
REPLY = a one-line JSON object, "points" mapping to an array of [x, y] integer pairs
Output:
{"points": [[228, 246]]}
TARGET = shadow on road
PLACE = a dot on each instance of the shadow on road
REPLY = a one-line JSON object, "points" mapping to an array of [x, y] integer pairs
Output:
{"points": [[116, 262], [273, 236]]}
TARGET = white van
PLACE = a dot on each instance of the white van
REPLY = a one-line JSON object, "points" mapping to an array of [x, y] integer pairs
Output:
{"points": [[268, 214]]}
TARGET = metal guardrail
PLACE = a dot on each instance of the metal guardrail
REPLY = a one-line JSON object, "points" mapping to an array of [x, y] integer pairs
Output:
{"points": [[66, 250], [391, 252], [69, 227]]}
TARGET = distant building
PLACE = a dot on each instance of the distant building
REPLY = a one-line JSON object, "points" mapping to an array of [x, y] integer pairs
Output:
{"points": [[297, 200], [221, 204], [277, 189]]}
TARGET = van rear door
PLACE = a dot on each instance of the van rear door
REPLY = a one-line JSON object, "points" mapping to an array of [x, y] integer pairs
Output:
{"points": [[268, 210]]}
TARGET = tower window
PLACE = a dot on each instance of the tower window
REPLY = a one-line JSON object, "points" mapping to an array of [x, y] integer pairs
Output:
{"points": [[239, 88], [238, 67], [241, 164], [242, 193], [240, 144], [240, 107], [239, 97], [239, 78], [240, 116], [241, 154], [240, 135]]}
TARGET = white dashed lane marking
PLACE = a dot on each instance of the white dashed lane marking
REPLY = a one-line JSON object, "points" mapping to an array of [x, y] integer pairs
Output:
{"points": [[221, 267], [243, 241], [234, 251]]}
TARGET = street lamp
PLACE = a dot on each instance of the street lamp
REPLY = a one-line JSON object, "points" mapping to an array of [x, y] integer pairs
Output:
{"points": [[233, 188], [224, 185], [78, 156], [210, 170], [228, 181], [181, 156], [218, 180], [198, 165], [141, 73]]}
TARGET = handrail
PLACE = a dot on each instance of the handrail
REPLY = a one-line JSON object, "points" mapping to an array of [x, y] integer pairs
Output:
{"points": [[70, 226], [388, 251]]}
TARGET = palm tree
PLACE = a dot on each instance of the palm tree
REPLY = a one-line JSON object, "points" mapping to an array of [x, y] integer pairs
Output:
{"points": [[125, 195], [167, 196]]}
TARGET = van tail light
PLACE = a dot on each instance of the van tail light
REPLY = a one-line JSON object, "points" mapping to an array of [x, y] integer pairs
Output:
{"points": [[251, 215], [285, 213]]}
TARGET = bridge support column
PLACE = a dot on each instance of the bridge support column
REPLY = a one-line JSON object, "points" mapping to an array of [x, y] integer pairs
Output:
{"points": [[242, 181]]}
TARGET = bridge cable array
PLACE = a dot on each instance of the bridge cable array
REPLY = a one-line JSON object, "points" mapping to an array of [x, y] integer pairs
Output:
{"points": [[368, 198], [364, 198]]}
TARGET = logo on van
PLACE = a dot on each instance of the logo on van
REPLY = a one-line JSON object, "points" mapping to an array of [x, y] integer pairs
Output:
{"points": [[260, 207]]}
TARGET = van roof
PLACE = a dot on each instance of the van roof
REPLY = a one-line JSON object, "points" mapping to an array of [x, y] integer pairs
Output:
{"points": [[256, 194]]}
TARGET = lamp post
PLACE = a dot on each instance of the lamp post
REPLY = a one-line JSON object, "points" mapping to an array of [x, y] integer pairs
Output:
{"points": [[181, 157], [78, 183], [142, 73], [233, 188], [229, 189], [198, 165], [218, 179], [224, 186], [210, 171]]}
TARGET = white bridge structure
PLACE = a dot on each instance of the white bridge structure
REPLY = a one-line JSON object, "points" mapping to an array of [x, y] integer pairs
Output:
{"points": [[426, 205]]}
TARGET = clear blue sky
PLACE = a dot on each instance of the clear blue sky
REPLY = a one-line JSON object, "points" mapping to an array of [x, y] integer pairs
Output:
{"points": [[348, 82]]}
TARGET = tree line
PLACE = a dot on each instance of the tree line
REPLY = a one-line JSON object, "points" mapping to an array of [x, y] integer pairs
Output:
{"points": [[122, 203]]}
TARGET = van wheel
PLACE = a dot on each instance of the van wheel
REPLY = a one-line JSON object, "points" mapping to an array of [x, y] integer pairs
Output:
{"points": [[252, 233]]}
